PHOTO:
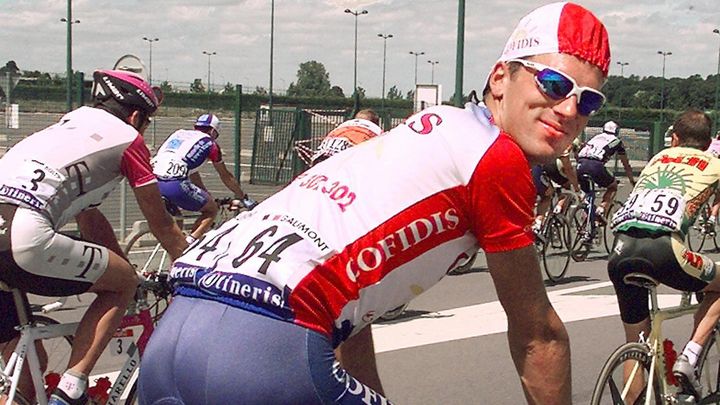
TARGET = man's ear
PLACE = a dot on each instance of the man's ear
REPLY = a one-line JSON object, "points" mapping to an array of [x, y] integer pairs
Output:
{"points": [[499, 75], [674, 140], [134, 119]]}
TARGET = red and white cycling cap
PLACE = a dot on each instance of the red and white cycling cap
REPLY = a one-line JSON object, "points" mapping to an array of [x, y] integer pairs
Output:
{"points": [[562, 27]]}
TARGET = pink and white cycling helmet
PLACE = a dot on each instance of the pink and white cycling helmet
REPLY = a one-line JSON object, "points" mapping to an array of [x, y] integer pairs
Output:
{"points": [[126, 88]]}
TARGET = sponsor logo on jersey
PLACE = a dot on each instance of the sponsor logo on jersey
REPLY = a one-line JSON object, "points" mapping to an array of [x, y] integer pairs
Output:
{"points": [[373, 257], [21, 195]]}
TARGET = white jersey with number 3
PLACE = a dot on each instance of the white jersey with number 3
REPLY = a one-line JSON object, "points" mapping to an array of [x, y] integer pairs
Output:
{"points": [[74, 164]]}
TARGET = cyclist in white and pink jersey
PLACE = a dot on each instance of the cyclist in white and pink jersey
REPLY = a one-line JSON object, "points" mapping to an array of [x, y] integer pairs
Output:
{"points": [[176, 166], [63, 173], [262, 301]]}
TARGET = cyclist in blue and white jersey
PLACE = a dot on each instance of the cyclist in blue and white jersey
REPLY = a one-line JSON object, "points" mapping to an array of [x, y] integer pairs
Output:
{"points": [[176, 166]]}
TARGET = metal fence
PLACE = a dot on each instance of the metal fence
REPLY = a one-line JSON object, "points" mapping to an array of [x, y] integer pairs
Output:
{"points": [[277, 134]]}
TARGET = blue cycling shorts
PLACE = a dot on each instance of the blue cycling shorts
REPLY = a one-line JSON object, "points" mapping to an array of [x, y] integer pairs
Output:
{"points": [[184, 194], [207, 352]]}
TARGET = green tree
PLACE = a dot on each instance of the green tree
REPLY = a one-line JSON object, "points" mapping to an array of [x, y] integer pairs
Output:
{"points": [[197, 86], [394, 94], [410, 95], [361, 92], [312, 81], [166, 87], [229, 88], [337, 91], [260, 91]]}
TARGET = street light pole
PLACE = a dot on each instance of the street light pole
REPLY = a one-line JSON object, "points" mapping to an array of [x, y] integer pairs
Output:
{"points": [[717, 85], [209, 54], [416, 53], [622, 75], [385, 38], [68, 58], [662, 85], [432, 71], [150, 41], [356, 13]]}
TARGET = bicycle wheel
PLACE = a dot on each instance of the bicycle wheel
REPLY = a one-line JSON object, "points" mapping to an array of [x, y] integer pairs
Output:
{"points": [[555, 251], [708, 365], [608, 235], [393, 313], [613, 387], [696, 237], [580, 249], [147, 260]]}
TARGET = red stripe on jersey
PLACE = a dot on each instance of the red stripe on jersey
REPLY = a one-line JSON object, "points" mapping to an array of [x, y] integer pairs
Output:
{"points": [[502, 195], [215, 154], [320, 297], [135, 163]]}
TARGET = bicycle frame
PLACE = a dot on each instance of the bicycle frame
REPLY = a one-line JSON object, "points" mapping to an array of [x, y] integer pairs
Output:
{"points": [[655, 339], [139, 315], [26, 349]]}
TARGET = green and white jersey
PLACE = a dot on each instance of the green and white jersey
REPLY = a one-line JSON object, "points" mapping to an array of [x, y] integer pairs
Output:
{"points": [[670, 191]]}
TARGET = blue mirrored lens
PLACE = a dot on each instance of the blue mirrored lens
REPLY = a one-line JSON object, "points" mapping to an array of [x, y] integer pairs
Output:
{"points": [[554, 84], [589, 102]]}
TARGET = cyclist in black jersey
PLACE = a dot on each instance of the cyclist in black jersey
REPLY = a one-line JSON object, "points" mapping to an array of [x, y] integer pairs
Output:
{"points": [[592, 159]]}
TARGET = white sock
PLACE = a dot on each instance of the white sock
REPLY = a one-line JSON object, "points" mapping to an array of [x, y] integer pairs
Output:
{"points": [[692, 351], [73, 384]]}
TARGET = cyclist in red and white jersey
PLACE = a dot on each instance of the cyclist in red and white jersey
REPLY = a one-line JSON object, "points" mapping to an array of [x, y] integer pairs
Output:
{"points": [[176, 166], [64, 172], [262, 301]]}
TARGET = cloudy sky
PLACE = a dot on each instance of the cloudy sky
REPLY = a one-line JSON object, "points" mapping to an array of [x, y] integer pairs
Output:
{"points": [[239, 32]]}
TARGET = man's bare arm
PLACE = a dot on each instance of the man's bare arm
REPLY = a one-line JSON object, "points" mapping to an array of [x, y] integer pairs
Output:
{"points": [[539, 343], [228, 179]]}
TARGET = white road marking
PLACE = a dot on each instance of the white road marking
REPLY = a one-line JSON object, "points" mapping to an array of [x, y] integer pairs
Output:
{"points": [[488, 318], [483, 319]]}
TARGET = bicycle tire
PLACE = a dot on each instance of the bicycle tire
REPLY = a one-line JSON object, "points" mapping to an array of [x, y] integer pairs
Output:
{"points": [[393, 313], [155, 261], [696, 238], [579, 250], [608, 235], [708, 364], [555, 251], [606, 389]]}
